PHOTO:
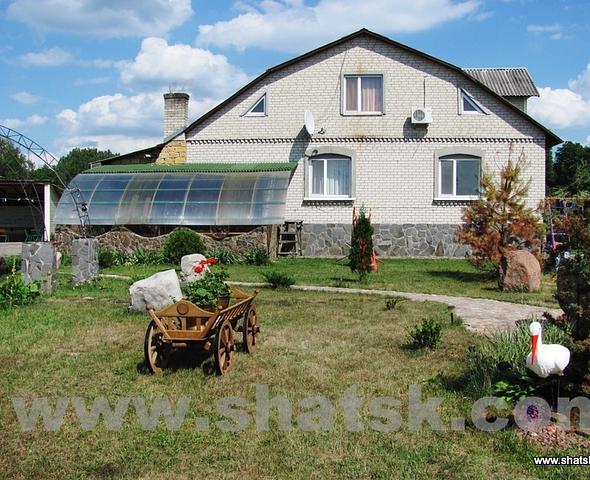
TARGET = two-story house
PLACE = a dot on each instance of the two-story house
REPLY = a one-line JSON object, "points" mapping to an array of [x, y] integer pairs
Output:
{"points": [[362, 121]]}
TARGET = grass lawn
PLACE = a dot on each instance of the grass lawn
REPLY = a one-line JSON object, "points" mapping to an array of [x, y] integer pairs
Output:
{"points": [[82, 342], [442, 276]]}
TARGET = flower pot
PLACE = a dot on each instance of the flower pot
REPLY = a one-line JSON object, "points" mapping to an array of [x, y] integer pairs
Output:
{"points": [[223, 302]]}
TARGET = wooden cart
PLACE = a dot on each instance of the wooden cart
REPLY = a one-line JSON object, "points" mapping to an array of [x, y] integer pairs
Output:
{"points": [[184, 325]]}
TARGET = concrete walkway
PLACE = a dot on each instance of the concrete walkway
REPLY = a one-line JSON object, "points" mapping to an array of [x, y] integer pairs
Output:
{"points": [[479, 314]]}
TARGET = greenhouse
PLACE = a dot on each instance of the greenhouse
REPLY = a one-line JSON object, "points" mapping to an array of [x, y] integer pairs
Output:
{"points": [[186, 194]]}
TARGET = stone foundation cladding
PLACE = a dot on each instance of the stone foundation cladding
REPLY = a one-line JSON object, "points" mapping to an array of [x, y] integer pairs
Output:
{"points": [[407, 240]]}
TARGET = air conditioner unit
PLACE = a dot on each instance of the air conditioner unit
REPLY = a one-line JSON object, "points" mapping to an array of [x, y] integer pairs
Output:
{"points": [[421, 116]]}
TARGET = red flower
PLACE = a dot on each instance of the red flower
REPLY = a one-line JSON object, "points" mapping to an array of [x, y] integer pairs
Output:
{"points": [[203, 262], [198, 268], [212, 261]]}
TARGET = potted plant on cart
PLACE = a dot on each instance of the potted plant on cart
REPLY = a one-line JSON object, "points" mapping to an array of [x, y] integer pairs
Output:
{"points": [[210, 291]]}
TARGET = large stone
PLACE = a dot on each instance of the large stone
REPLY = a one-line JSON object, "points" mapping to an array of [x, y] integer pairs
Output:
{"points": [[84, 259], [157, 291], [187, 267], [521, 271], [39, 264]]}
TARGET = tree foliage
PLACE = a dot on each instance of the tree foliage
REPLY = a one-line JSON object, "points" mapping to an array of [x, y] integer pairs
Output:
{"points": [[500, 221], [13, 164], [569, 173], [71, 164], [361, 247]]}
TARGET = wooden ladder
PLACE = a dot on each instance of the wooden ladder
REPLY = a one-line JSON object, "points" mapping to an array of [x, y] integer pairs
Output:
{"points": [[290, 239]]}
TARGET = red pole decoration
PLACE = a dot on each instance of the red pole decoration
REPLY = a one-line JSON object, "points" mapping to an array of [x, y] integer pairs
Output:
{"points": [[373, 261]]}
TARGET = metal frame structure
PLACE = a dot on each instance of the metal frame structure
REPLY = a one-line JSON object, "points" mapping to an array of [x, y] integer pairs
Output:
{"points": [[49, 160]]}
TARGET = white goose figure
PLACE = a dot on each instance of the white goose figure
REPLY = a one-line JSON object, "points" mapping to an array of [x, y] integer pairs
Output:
{"points": [[545, 360]]}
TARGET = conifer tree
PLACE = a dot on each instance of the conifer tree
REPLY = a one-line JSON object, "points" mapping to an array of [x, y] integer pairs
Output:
{"points": [[361, 247], [500, 221]]}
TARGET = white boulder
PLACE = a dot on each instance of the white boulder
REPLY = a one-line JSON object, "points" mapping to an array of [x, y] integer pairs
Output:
{"points": [[158, 291], [187, 267]]}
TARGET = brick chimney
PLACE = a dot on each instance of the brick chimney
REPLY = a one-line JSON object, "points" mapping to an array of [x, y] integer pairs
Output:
{"points": [[175, 112]]}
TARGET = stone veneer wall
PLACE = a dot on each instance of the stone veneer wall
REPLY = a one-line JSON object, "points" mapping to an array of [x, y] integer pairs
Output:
{"points": [[128, 241], [408, 240]]}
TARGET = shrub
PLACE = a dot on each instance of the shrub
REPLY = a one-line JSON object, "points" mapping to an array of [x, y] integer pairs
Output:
{"points": [[14, 291], [106, 257], [256, 256], [361, 246], [503, 357], [181, 242], [9, 264], [500, 221], [426, 335], [392, 303], [204, 292], [278, 279], [225, 256], [139, 256]]}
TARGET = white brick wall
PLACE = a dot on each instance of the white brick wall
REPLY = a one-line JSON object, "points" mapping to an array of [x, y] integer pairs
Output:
{"points": [[394, 160]]}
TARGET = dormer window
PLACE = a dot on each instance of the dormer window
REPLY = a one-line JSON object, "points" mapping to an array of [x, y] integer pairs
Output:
{"points": [[468, 105], [363, 95], [258, 109]]}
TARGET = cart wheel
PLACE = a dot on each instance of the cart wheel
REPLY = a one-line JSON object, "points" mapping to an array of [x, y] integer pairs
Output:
{"points": [[224, 348], [154, 349], [250, 329]]}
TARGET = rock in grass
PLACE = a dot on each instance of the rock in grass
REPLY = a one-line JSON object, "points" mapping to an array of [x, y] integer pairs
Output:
{"points": [[158, 291], [187, 267], [521, 272]]}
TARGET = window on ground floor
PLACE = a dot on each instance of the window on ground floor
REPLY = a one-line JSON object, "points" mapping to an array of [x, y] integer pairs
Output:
{"points": [[329, 177], [459, 177]]}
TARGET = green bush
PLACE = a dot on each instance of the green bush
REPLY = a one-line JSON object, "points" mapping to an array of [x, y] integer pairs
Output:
{"points": [[225, 256], [181, 242], [426, 335], [14, 291], [278, 279], [10, 263], [106, 257], [256, 256], [392, 303], [204, 292], [503, 357], [139, 256]]}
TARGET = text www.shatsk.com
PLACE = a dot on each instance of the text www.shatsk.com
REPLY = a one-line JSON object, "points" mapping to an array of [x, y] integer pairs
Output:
{"points": [[313, 413]]}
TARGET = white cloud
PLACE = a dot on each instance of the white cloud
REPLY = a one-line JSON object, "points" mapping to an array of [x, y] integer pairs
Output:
{"points": [[114, 115], [114, 143], [564, 107], [25, 98], [20, 123], [104, 18], [294, 26], [118, 122], [581, 83], [554, 30], [182, 66], [560, 108], [51, 57]]}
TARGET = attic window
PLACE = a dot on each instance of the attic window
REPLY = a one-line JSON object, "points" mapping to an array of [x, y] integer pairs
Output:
{"points": [[258, 109], [468, 105]]}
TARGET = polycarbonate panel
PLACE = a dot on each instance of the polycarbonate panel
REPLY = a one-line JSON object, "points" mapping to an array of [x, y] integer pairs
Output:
{"points": [[178, 198]]}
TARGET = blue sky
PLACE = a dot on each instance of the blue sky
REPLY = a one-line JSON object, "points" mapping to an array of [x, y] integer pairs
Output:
{"points": [[79, 73]]}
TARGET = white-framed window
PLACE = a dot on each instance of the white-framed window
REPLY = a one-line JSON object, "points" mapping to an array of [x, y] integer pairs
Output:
{"points": [[459, 177], [329, 177], [258, 109], [468, 105], [363, 95]]}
